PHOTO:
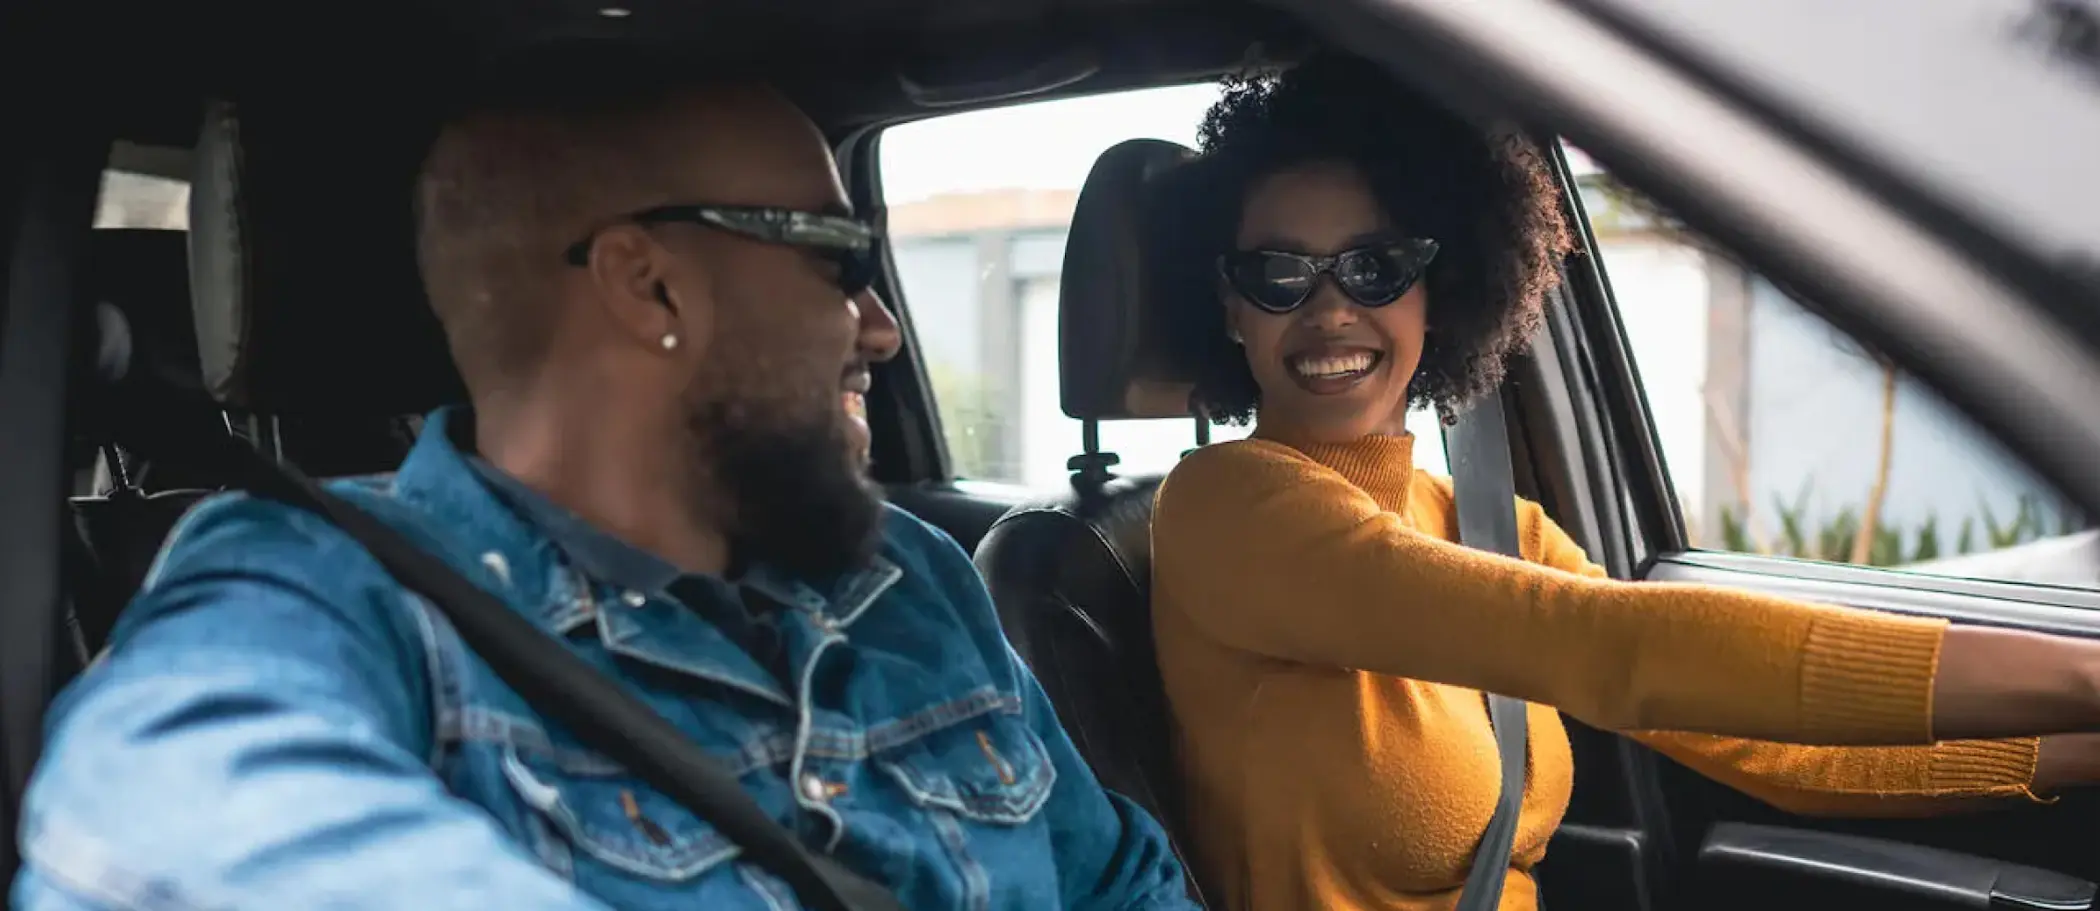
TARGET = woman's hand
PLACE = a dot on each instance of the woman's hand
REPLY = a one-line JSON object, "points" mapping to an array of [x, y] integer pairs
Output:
{"points": [[2001, 683]]}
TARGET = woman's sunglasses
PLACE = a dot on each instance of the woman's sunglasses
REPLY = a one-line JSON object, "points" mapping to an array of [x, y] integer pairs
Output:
{"points": [[1373, 275], [847, 241]]}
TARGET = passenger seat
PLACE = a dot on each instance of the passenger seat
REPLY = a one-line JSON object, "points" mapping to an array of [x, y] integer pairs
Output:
{"points": [[139, 281], [1072, 575], [306, 323]]}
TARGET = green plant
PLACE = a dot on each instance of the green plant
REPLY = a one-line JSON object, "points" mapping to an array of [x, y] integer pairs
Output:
{"points": [[1928, 547], [1793, 528], [1834, 539], [969, 420], [1735, 534]]}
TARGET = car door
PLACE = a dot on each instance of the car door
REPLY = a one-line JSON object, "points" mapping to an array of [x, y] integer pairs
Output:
{"points": [[1694, 421]]}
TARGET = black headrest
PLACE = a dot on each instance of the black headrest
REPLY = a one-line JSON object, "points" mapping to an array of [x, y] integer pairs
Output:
{"points": [[1114, 344], [138, 280], [303, 261]]}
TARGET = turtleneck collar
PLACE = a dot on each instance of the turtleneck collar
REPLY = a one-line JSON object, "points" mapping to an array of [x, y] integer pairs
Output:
{"points": [[1382, 466]]}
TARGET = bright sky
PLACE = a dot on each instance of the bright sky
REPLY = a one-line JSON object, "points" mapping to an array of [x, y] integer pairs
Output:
{"points": [[1048, 145]]}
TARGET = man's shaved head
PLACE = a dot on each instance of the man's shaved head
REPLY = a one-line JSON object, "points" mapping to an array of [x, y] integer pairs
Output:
{"points": [[576, 321], [509, 186]]}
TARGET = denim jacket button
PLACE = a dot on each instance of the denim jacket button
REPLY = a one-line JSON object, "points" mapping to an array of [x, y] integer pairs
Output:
{"points": [[497, 564], [634, 598], [813, 787]]}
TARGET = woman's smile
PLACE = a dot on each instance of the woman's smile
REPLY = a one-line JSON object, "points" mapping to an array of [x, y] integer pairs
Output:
{"points": [[1333, 369]]}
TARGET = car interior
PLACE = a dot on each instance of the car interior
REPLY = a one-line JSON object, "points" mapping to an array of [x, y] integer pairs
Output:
{"points": [[292, 301]]}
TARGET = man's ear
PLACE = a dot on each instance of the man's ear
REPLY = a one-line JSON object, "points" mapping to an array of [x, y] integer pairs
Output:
{"points": [[628, 269]]}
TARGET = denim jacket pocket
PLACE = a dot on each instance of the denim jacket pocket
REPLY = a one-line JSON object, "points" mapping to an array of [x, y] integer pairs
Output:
{"points": [[609, 815], [989, 769]]}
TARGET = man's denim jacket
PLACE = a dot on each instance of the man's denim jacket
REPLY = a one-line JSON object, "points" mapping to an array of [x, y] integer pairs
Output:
{"points": [[279, 725]]}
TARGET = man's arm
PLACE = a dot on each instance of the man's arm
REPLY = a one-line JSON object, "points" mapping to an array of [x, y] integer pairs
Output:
{"points": [[259, 737]]}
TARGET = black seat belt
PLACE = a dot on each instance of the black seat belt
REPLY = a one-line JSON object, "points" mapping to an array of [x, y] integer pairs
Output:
{"points": [[1477, 447], [557, 682]]}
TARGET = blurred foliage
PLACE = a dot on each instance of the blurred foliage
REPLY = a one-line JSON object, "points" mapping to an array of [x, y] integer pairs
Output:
{"points": [[1830, 540], [970, 421]]}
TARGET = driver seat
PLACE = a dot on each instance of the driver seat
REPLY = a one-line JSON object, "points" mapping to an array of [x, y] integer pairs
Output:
{"points": [[1071, 575]]}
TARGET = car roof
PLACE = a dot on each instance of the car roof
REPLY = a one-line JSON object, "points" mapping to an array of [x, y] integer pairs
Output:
{"points": [[1991, 110], [851, 64]]}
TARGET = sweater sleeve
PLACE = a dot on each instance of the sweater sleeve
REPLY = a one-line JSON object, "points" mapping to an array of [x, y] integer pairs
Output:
{"points": [[1894, 781], [1818, 780], [1274, 554]]}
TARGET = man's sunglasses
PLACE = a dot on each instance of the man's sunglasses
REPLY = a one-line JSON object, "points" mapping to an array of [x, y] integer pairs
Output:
{"points": [[1373, 275], [847, 241]]}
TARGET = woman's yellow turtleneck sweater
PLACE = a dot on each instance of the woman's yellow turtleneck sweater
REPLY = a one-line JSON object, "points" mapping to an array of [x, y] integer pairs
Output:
{"points": [[1325, 649]]}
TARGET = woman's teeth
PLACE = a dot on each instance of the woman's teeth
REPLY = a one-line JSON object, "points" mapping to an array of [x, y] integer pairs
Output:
{"points": [[1326, 367]]}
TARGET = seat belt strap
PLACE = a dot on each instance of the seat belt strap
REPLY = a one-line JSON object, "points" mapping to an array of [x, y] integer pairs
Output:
{"points": [[1477, 445]]}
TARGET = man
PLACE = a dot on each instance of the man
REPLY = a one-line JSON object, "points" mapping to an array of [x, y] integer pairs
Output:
{"points": [[662, 313]]}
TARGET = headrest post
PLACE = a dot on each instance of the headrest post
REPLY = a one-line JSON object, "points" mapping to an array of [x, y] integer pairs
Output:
{"points": [[1090, 467], [119, 473], [1202, 426], [262, 434]]}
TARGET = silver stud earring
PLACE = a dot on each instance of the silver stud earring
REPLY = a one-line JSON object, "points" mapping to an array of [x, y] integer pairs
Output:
{"points": [[669, 341]]}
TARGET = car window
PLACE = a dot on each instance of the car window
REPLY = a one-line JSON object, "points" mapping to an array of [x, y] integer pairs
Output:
{"points": [[978, 208], [142, 201], [1784, 436]]}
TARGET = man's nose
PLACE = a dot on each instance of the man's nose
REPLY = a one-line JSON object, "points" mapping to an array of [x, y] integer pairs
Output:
{"points": [[879, 336]]}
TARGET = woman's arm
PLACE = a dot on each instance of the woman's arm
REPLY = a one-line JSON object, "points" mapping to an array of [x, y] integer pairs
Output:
{"points": [[1266, 551], [1945, 777]]}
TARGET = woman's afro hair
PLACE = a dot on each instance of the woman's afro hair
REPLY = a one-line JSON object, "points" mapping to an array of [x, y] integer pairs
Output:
{"points": [[1485, 195]]}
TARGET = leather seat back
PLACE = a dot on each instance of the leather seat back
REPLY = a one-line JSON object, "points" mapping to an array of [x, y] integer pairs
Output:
{"points": [[274, 304], [1071, 575], [138, 280]]}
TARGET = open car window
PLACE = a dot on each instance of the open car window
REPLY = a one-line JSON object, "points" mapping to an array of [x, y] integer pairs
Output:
{"points": [[132, 200], [978, 208], [1785, 437]]}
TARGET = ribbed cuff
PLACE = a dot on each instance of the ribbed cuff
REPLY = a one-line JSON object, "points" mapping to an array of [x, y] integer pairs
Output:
{"points": [[1866, 678], [1984, 765]]}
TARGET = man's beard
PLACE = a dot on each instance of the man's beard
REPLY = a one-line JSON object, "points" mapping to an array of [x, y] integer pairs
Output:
{"points": [[799, 501]]}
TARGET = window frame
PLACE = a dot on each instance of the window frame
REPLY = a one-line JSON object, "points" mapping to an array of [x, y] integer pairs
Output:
{"points": [[907, 440]]}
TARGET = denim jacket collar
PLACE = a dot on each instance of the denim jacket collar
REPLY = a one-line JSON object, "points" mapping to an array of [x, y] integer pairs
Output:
{"points": [[548, 559]]}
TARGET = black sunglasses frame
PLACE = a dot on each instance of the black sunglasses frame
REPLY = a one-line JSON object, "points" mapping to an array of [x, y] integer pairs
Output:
{"points": [[848, 241], [1416, 253]]}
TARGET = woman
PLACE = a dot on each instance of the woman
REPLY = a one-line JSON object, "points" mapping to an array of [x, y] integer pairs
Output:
{"points": [[1325, 646]]}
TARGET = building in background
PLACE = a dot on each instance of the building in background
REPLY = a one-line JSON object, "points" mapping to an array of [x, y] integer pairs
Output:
{"points": [[980, 272]]}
